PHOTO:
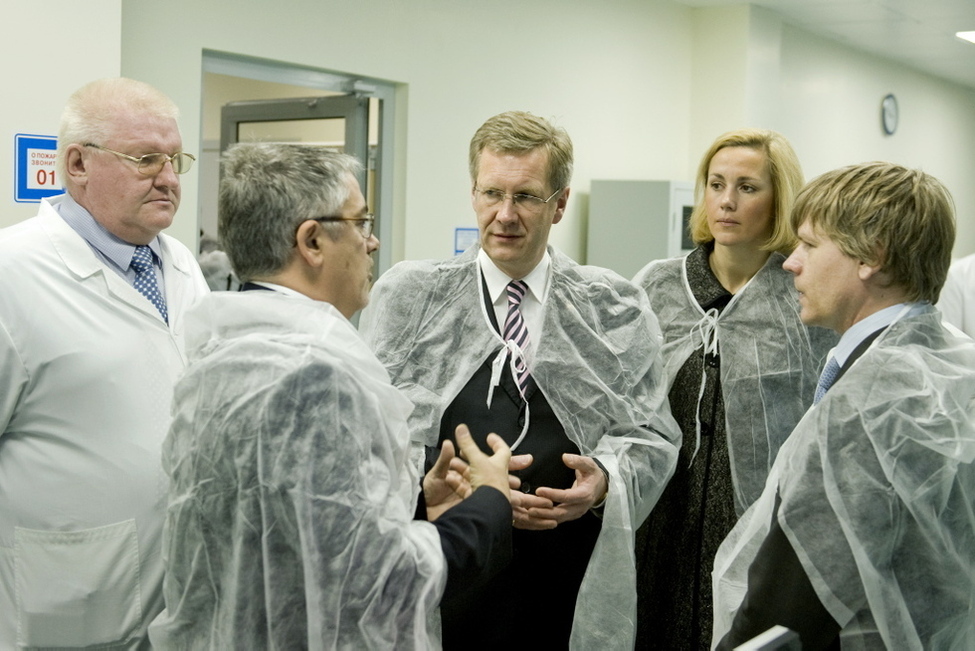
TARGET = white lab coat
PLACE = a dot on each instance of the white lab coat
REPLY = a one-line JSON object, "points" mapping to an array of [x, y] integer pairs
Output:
{"points": [[957, 302], [88, 372]]}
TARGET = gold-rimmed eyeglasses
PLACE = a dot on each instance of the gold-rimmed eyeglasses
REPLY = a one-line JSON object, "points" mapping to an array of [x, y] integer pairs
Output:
{"points": [[529, 202], [152, 164], [363, 224]]}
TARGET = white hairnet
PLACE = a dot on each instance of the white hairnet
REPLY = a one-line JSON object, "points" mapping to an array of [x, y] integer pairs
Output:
{"points": [[770, 361], [597, 360], [877, 485], [290, 514]]}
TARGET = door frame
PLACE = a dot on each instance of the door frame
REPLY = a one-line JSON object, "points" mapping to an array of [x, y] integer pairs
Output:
{"points": [[238, 65]]}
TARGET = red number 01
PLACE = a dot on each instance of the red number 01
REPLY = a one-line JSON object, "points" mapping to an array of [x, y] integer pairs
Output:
{"points": [[42, 177]]}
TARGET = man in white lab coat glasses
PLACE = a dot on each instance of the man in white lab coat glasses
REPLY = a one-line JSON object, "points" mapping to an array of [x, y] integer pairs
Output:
{"points": [[91, 317]]}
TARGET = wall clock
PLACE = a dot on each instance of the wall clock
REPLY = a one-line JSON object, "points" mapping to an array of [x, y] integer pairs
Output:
{"points": [[889, 114]]}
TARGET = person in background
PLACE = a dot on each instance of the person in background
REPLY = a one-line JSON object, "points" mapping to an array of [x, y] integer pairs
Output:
{"points": [[957, 302], [215, 265], [563, 362], [92, 310], [863, 535], [741, 368], [291, 514]]}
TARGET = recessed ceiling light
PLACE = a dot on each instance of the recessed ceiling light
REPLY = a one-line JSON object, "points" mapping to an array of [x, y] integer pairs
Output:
{"points": [[966, 36]]}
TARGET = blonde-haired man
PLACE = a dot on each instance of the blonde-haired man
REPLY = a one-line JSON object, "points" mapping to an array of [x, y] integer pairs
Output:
{"points": [[562, 361], [863, 535]]}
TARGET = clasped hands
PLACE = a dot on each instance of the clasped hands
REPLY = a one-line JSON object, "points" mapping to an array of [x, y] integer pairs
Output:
{"points": [[453, 477]]}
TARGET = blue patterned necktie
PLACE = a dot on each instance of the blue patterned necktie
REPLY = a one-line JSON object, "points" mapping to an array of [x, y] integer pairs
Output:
{"points": [[145, 279], [826, 380], [515, 330]]}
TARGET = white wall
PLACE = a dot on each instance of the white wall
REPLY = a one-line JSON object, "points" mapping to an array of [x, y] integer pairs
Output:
{"points": [[610, 72], [642, 87], [49, 49], [750, 69], [831, 112]]}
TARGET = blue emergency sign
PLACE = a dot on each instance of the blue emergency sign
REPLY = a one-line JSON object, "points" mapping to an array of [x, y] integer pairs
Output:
{"points": [[35, 176]]}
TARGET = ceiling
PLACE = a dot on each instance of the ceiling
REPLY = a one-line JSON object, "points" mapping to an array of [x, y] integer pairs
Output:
{"points": [[918, 33]]}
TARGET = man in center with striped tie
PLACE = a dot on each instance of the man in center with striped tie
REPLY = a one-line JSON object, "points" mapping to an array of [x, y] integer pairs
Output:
{"points": [[562, 361]]}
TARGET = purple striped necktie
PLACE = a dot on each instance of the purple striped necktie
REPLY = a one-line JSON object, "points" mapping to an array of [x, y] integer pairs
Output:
{"points": [[516, 331]]}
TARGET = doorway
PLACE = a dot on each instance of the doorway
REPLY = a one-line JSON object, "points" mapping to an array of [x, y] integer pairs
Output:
{"points": [[247, 99]]}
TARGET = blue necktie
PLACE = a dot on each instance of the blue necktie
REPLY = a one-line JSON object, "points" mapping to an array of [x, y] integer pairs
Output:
{"points": [[827, 378], [145, 279], [515, 330]]}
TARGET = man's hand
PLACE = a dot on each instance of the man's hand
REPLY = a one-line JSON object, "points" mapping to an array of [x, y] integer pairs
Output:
{"points": [[517, 462], [444, 486], [589, 488], [484, 470]]}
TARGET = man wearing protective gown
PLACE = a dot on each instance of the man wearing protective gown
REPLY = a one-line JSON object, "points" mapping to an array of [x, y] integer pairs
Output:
{"points": [[592, 415], [291, 515], [864, 533]]}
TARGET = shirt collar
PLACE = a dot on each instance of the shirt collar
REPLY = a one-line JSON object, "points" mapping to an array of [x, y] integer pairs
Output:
{"points": [[867, 326], [281, 289], [497, 280], [114, 249]]}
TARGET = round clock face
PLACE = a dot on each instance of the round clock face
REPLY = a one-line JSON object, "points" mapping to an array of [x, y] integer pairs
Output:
{"points": [[888, 114]]}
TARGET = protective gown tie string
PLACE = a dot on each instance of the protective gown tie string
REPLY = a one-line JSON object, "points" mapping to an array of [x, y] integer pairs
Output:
{"points": [[516, 343], [707, 330]]}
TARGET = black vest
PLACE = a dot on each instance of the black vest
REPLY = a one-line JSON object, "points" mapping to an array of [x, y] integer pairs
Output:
{"points": [[531, 604]]}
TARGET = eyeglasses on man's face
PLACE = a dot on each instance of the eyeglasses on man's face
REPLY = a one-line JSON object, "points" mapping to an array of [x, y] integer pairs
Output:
{"points": [[152, 164], [363, 224], [528, 202]]}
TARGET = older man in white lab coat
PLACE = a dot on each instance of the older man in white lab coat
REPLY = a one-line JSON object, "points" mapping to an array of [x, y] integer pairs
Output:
{"points": [[91, 319]]}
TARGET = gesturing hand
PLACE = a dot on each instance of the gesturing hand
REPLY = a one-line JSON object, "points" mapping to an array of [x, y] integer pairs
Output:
{"points": [[484, 470], [589, 488], [444, 485]]}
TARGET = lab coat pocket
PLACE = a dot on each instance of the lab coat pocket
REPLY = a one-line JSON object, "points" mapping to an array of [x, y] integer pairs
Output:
{"points": [[77, 588]]}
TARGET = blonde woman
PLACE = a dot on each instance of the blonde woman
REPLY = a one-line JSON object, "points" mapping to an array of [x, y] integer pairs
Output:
{"points": [[742, 370]]}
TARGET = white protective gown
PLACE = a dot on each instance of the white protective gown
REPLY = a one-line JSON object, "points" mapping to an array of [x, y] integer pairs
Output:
{"points": [[770, 361], [290, 521], [877, 485], [597, 360], [88, 373]]}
